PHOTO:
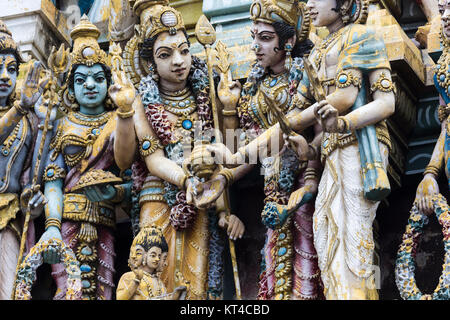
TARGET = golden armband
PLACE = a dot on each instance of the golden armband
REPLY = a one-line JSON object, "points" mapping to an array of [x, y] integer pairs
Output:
{"points": [[346, 78], [148, 145], [432, 169], [310, 174], [383, 84], [53, 172], [52, 222], [229, 113]]}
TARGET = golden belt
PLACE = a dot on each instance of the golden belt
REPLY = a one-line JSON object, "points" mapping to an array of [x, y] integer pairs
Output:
{"points": [[332, 141], [77, 207]]}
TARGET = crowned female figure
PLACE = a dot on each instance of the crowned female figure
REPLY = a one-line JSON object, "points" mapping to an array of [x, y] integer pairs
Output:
{"points": [[173, 101], [289, 261], [18, 132], [81, 177], [347, 74], [428, 187]]}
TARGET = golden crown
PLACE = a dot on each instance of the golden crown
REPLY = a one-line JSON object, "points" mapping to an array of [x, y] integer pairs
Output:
{"points": [[6, 40], [152, 234], [291, 12], [162, 19], [86, 49]]}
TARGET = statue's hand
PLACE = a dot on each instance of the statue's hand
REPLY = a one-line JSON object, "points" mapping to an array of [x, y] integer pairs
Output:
{"points": [[427, 188], [235, 227], [194, 190], [41, 111], [302, 195], [222, 155], [179, 293], [139, 273], [122, 91], [212, 190], [327, 116], [51, 255], [32, 88], [34, 199], [228, 92], [298, 144], [100, 193]]}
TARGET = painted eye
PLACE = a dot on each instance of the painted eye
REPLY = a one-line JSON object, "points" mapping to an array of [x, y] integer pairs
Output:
{"points": [[163, 56], [100, 79], [12, 70], [79, 81], [185, 51]]}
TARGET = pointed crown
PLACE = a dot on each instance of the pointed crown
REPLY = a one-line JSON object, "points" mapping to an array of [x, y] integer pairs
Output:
{"points": [[291, 12], [7, 41], [86, 49]]}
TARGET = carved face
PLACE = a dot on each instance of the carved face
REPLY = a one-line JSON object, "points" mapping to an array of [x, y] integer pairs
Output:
{"points": [[172, 57], [444, 10], [8, 75], [90, 85], [137, 255], [163, 263], [266, 45], [322, 13], [153, 258]]}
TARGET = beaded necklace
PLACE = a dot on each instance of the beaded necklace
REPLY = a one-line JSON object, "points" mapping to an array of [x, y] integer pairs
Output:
{"points": [[89, 120], [180, 103], [325, 46]]}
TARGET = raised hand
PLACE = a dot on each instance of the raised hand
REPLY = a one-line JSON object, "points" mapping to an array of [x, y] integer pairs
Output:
{"points": [[427, 188], [211, 191], [122, 91], [32, 88], [327, 116], [228, 92], [222, 155]]}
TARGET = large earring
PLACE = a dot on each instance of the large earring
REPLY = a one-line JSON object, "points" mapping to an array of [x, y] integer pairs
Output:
{"points": [[152, 70], [288, 60]]}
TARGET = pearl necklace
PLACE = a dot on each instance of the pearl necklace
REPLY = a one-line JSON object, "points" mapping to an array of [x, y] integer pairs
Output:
{"points": [[180, 102]]}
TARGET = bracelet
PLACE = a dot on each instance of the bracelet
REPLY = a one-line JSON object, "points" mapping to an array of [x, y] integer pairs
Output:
{"points": [[229, 112], [52, 222], [125, 114], [343, 125], [310, 174], [20, 108], [431, 169], [120, 194], [136, 280], [228, 175]]}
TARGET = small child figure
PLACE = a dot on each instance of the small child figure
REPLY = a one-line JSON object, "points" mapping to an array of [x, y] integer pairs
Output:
{"points": [[146, 261]]}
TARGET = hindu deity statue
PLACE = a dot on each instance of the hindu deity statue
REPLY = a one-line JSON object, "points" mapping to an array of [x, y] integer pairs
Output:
{"points": [[348, 75], [146, 261], [172, 102], [18, 134], [428, 187], [82, 181], [289, 260]]}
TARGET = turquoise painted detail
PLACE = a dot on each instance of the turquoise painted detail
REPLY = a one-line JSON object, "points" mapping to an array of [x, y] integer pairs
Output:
{"points": [[85, 268], [273, 82], [146, 145], [86, 284], [281, 266], [343, 78], [280, 282], [282, 236], [148, 191], [86, 251], [182, 104], [282, 251], [187, 124], [50, 173], [5, 152]]}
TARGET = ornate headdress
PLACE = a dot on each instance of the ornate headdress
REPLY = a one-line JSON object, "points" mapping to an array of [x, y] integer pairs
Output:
{"points": [[355, 11], [7, 41], [155, 17], [291, 12], [151, 235], [86, 49]]}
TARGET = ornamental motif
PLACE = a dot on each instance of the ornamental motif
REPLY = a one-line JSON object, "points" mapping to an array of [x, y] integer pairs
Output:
{"points": [[148, 145]]}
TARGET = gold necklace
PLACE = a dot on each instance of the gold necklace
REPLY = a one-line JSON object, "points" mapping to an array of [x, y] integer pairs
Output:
{"points": [[9, 141], [325, 46], [151, 287], [180, 102], [89, 120]]}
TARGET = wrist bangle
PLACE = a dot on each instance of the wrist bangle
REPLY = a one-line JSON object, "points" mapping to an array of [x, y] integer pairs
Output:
{"points": [[310, 174], [432, 169], [136, 280], [52, 222], [228, 113], [125, 114], [20, 108], [343, 125], [228, 175]]}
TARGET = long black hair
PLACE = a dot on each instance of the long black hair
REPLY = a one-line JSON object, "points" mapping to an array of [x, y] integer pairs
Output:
{"points": [[284, 32]]}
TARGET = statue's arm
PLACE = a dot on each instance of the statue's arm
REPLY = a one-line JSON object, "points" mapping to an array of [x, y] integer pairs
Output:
{"points": [[125, 138]]}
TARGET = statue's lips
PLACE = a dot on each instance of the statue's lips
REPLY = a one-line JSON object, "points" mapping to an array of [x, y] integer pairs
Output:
{"points": [[4, 86], [91, 94], [179, 70]]}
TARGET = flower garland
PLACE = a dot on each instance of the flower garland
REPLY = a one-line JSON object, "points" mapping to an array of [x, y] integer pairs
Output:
{"points": [[181, 214], [405, 266], [27, 271]]}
